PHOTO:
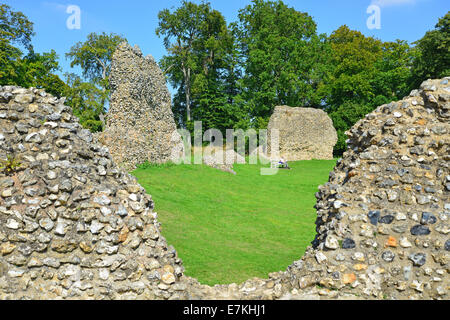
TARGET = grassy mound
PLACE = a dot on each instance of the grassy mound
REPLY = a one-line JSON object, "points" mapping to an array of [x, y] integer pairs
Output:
{"points": [[230, 228]]}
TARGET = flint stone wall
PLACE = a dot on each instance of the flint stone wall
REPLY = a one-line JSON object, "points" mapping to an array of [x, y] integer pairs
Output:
{"points": [[304, 134], [75, 226], [140, 125], [383, 228]]}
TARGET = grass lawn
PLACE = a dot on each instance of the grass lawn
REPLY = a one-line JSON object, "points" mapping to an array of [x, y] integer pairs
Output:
{"points": [[230, 228]]}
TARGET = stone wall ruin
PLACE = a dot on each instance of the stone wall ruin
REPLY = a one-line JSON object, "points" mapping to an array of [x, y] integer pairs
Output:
{"points": [[73, 225], [140, 125], [304, 134]]}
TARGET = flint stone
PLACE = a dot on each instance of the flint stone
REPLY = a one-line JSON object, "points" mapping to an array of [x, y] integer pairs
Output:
{"points": [[374, 217], [428, 218], [24, 98], [418, 259], [139, 100], [420, 230], [304, 133], [348, 244]]}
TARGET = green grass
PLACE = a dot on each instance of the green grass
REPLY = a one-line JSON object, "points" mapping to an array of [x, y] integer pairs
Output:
{"points": [[230, 228]]}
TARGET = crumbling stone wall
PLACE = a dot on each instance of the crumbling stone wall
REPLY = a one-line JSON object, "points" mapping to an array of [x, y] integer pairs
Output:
{"points": [[74, 225], [304, 133], [383, 218], [140, 125]]}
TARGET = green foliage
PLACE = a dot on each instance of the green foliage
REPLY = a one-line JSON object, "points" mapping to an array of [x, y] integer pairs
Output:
{"points": [[282, 57], [230, 228], [393, 79], [11, 165], [233, 77], [433, 53], [37, 70], [8, 62], [364, 73], [92, 125], [32, 70], [94, 56], [201, 64], [353, 66], [15, 28], [86, 100]]}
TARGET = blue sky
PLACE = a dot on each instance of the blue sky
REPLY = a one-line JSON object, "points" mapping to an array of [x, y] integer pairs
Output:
{"points": [[137, 19]]}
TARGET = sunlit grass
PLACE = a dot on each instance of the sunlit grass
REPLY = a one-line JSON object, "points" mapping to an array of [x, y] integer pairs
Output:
{"points": [[229, 228]]}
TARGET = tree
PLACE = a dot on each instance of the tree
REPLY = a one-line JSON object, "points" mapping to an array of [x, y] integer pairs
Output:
{"points": [[394, 76], [15, 29], [94, 57], [86, 100], [37, 70], [364, 73], [282, 58], [183, 27], [199, 64], [32, 70], [8, 63], [433, 53], [353, 65]]}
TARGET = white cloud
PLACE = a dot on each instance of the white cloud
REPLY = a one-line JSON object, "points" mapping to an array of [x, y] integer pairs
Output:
{"points": [[55, 6], [390, 3]]}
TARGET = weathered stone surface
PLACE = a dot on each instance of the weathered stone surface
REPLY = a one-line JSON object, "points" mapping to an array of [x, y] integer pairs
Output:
{"points": [[304, 133], [221, 159], [140, 125], [392, 190], [65, 231], [369, 244]]}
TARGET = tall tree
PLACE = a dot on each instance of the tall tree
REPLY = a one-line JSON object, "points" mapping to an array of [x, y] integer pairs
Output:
{"points": [[33, 69], [281, 56], [199, 63], [15, 27], [392, 81], [364, 73], [15, 30], [433, 53], [94, 57], [353, 66], [181, 30]]}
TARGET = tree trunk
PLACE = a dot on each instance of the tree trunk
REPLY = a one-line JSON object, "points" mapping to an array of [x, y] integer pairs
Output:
{"points": [[188, 94], [187, 89], [104, 70]]}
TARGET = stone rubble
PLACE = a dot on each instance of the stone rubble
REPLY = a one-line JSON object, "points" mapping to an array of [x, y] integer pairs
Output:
{"points": [[220, 159]]}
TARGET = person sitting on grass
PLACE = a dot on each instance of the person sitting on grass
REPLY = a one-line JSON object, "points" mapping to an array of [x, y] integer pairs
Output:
{"points": [[283, 164]]}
